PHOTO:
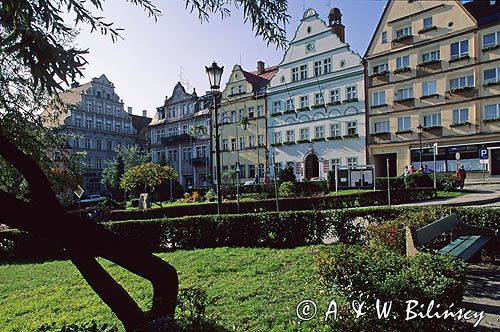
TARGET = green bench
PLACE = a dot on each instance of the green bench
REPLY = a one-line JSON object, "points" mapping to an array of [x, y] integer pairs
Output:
{"points": [[467, 241]]}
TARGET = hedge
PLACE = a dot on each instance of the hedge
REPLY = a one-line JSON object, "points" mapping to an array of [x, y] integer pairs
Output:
{"points": [[267, 229], [444, 181], [374, 198]]}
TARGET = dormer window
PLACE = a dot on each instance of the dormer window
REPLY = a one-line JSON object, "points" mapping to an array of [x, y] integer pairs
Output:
{"points": [[231, 92], [427, 22], [241, 89], [404, 32], [384, 37]]}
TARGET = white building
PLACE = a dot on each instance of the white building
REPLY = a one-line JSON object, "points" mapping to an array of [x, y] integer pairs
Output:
{"points": [[316, 101]]}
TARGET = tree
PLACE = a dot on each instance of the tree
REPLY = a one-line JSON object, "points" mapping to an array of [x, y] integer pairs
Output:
{"points": [[36, 59], [146, 176]]}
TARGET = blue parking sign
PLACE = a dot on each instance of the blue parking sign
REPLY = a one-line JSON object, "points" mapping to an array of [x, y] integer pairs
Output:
{"points": [[483, 153]]}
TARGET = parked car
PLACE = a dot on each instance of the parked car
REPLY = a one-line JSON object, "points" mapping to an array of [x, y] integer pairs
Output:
{"points": [[317, 179], [92, 199]]}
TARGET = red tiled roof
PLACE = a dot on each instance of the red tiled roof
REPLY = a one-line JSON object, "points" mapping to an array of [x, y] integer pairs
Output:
{"points": [[259, 81]]}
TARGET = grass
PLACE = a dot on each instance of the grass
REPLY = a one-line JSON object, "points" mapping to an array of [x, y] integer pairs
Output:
{"points": [[350, 191], [249, 289], [450, 194]]}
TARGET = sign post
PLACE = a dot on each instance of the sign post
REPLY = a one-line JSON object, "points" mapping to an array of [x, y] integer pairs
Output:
{"points": [[484, 159], [435, 152], [79, 193], [388, 184]]}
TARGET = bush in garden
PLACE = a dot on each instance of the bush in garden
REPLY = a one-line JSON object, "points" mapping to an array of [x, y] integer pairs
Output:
{"points": [[447, 181], [287, 175], [287, 189], [210, 195], [369, 273], [418, 180]]}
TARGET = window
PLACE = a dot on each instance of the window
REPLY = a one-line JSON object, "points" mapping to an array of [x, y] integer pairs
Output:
{"points": [[76, 143], [304, 101], [277, 137], [335, 163], [240, 88], [352, 161], [462, 82], [260, 112], [319, 132], [185, 129], [492, 112], [491, 39], [380, 68], [431, 56], [108, 110], [201, 151], [379, 98], [99, 125], [317, 68], [261, 140], [233, 116], [459, 49], [304, 134], [432, 120], [382, 126], [231, 91], [251, 171], [327, 65], [384, 37], [251, 141], [404, 123], [88, 143], [251, 110], [335, 130], [242, 143], [403, 62], [98, 143], [427, 22], [118, 127], [241, 114], [277, 107], [99, 109], [243, 173], [234, 144], [429, 88], [172, 155], [186, 154], [404, 32], [78, 122], [109, 145], [335, 96], [351, 92], [261, 170], [295, 74], [224, 145], [405, 93], [89, 107], [318, 99], [460, 115], [290, 136], [303, 72], [89, 124], [491, 75], [352, 128], [289, 105], [89, 163]]}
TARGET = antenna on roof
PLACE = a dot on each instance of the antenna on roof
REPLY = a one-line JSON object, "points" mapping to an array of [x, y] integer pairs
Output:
{"points": [[184, 81]]}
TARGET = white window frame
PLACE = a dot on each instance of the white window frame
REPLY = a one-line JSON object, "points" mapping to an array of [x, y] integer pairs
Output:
{"points": [[404, 123], [460, 115]]}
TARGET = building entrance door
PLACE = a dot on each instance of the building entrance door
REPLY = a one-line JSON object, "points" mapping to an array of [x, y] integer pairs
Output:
{"points": [[312, 166], [495, 161]]}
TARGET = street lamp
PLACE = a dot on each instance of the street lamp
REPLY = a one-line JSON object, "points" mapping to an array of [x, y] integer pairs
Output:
{"points": [[420, 129], [214, 73]]}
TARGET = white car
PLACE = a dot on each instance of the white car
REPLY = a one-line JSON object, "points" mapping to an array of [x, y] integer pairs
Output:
{"points": [[92, 199]]}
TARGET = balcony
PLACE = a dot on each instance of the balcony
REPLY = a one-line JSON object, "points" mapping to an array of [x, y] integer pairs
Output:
{"points": [[459, 58], [402, 41], [176, 138], [201, 161], [402, 70], [425, 30], [407, 102], [379, 78], [380, 137], [429, 67], [462, 93], [436, 131]]}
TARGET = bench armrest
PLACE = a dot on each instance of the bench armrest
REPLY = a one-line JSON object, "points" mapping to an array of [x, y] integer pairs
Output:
{"points": [[411, 248]]}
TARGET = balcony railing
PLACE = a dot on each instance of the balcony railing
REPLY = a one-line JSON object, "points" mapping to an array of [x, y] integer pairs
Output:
{"points": [[200, 161]]}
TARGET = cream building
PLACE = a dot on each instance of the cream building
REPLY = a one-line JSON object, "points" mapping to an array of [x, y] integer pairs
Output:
{"points": [[432, 76], [242, 115]]}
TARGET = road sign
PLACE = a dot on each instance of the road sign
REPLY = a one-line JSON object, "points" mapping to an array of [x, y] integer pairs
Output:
{"points": [[79, 192], [484, 161], [457, 156], [483, 153]]}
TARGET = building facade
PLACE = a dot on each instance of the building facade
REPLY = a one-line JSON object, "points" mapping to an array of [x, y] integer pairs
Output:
{"points": [[179, 136], [242, 124], [433, 72], [316, 115], [97, 124]]}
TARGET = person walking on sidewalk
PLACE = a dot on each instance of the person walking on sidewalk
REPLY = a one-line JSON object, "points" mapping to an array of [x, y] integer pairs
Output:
{"points": [[461, 175]]}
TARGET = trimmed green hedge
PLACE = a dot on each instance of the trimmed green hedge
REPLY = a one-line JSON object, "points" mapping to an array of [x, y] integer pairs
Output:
{"points": [[444, 181], [399, 196], [267, 229]]}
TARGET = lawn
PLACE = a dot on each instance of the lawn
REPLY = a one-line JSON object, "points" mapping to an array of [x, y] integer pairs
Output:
{"points": [[249, 289]]}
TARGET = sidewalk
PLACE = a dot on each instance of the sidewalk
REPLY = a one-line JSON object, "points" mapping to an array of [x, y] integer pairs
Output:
{"points": [[483, 194]]}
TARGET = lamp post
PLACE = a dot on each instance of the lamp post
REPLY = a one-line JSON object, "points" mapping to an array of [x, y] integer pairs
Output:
{"points": [[420, 129], [214, 73]]}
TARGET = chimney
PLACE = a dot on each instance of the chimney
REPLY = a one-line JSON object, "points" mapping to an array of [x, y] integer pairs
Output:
{"points": [[129, 110], [260, 67], [75, 84], [145, 113], [335, 22]]}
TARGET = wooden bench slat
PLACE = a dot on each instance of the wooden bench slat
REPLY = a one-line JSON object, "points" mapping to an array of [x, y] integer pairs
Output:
{"points": [[433, 230], [465, 246], [468, 253], [450, 247]]}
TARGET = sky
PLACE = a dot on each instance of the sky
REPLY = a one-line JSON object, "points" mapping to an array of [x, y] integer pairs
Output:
{"points": [[153, 56]]}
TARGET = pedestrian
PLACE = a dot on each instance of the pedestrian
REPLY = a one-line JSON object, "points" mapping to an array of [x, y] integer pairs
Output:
{"points": [[411, 170], [406, 171], [426, 169], [421, 168], [461, 175]]}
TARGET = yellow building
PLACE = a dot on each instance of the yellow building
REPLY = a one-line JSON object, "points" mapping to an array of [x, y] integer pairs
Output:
{"points": [[242, 122], [432, 74]]}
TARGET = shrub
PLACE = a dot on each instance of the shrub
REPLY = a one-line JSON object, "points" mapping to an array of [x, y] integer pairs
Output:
{"points": [[369, 273], [287, 175], [330, 181], [134, 202], [418, 180], [287, 189], [211, 195], [85, 327], [394, 182], [447, 181]]}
